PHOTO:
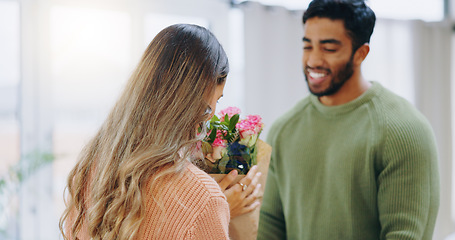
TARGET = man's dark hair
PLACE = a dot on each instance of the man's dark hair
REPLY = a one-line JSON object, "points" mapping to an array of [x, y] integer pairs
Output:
{"points": [[358, 18]]}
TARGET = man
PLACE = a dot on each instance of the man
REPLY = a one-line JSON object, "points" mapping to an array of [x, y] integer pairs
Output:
{"points": [[352, 160]]}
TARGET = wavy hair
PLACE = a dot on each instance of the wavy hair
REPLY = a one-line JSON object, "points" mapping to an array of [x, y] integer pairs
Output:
{"points": [[151, 127]]}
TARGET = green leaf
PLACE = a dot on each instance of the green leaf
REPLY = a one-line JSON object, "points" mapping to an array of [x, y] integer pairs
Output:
{"points": [[20, 176], [212, 136], [234, 120], [2, 185], [222, 164], [224, 127], [206, 148]]}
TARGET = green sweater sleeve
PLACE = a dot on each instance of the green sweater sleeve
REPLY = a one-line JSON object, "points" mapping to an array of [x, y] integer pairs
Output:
{"points": [[408, 187], [271, 221]]}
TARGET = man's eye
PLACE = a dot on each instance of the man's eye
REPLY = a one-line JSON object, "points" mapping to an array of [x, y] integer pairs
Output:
{"points": [[330, 50]]}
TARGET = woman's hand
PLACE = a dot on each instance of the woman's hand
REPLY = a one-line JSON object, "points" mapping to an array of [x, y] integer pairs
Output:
{"points": [[243, 197]]}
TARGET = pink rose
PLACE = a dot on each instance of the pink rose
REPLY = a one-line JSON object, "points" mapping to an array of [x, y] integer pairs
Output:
{"points": [[251, 123], [218, 147], [254, 119], [249, 129], [219, 140], [230, 111]]}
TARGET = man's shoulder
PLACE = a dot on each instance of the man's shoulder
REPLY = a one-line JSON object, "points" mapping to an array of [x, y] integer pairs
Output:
{"points": [[398, 109], [398, 115]]}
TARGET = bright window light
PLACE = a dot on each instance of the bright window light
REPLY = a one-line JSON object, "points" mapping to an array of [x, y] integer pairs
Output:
{"points": [[90, 59], [9, 43], [154, 23], [427, 10]]}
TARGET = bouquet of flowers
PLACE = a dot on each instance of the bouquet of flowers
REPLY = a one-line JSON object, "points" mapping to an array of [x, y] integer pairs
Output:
{"points": [[231, 142]]}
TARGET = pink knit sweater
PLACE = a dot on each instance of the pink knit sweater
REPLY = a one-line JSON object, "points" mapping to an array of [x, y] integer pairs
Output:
{"points": [[192, 206]]}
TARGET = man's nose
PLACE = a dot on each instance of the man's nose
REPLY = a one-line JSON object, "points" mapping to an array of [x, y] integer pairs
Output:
{"points": [[314, 58]]}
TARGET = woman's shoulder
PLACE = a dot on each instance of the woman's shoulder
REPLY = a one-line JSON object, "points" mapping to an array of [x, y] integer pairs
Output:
{"points": [[179, 204], [189, 183], [202, 181]]}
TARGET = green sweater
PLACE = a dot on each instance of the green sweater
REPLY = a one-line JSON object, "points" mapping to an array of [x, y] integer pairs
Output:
{"points": [[363, 170]]}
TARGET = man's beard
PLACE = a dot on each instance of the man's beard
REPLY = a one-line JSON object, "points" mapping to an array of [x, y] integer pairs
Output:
{"points": [[337, 81]]}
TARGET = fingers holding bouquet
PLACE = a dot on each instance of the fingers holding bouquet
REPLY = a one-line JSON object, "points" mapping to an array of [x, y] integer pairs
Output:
{"points": [[243, 196], [249, 183], [250, 191]]}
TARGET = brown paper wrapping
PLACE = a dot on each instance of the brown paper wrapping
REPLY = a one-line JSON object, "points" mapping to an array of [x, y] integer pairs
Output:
{"points": [[245, 227]]}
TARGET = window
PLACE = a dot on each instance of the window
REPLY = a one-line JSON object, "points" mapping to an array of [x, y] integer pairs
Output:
{"points": [[9, 124], [90, 63], [427, 10]]}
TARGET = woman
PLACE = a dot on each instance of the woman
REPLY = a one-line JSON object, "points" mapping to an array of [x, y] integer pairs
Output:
{"points": [[133, 180]]}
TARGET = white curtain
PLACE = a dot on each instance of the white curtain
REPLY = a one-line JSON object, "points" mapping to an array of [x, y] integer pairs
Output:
{"points": [[274, 79], [411, 58], [432, 50]]}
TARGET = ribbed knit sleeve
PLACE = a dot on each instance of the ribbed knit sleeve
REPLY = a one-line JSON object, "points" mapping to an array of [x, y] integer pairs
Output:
{"points": [[212, 222], [408, 183], [190, 206]]}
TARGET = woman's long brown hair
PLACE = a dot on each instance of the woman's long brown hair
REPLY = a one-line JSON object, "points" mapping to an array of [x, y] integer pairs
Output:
{"points": [[152, 122]]}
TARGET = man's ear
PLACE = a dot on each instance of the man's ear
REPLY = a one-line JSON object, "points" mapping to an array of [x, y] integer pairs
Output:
{"points": [[361, 53]]}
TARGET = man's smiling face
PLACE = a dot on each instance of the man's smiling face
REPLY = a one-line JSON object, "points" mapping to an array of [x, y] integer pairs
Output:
{"points": [[327, 55]]}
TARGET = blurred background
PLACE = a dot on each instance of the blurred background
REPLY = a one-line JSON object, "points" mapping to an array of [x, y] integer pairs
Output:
{"points": [[63, 63]]}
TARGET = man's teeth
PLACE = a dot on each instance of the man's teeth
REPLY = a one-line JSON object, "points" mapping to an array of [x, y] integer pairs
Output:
{"points": [[316, 75]]}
